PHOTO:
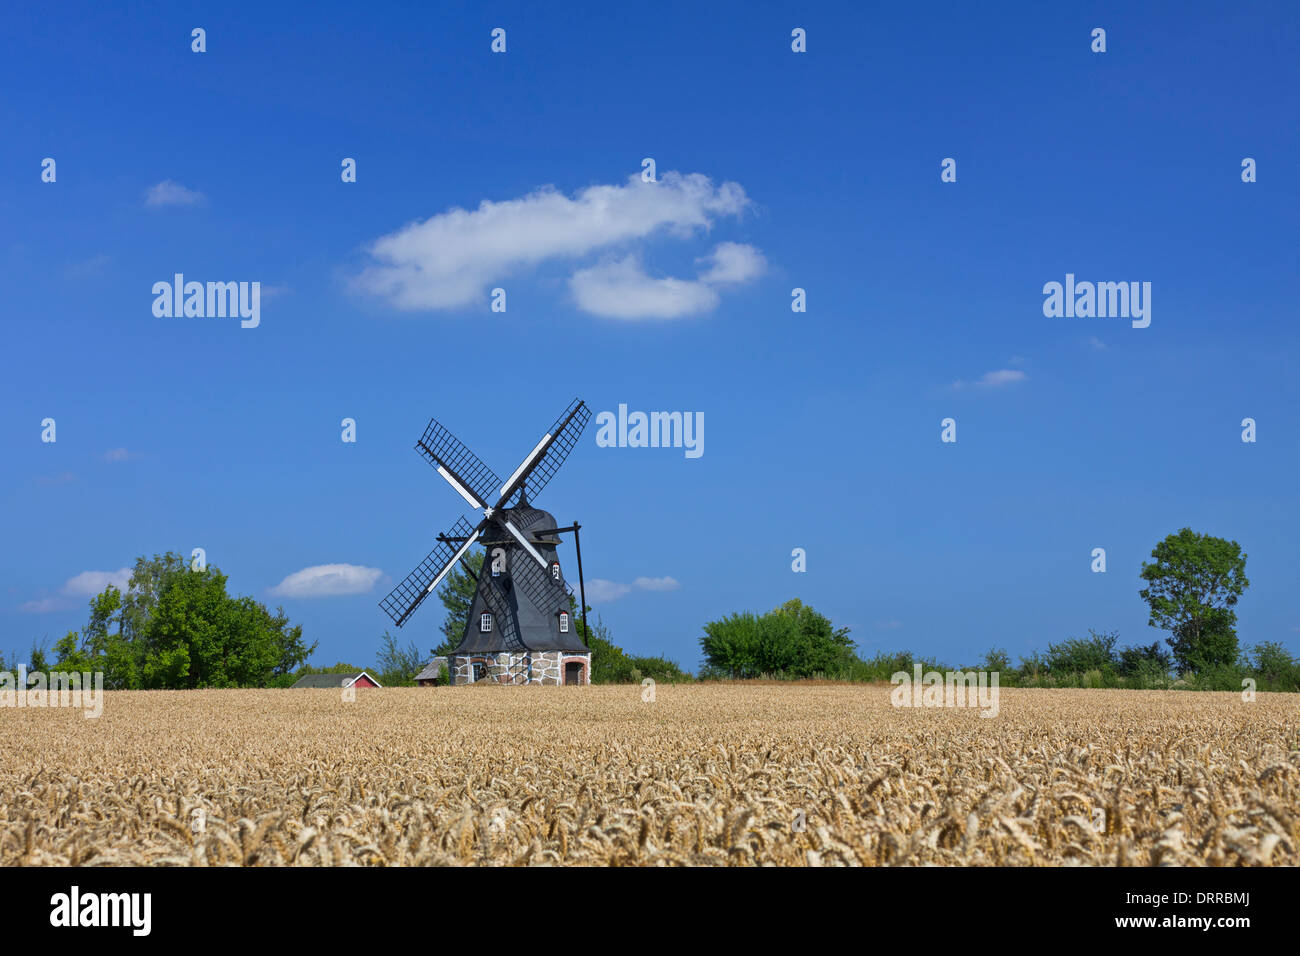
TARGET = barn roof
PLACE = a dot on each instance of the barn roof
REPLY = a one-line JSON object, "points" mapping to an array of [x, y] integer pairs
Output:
{"points": [[431, 669], [332, 680]]}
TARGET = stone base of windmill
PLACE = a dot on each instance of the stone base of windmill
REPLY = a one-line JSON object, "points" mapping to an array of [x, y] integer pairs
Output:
{"points": [[540, 667]]}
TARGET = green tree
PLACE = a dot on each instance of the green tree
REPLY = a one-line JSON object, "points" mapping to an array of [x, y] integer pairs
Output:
{"points": [[69, 655], [149, 578], [996, 659], [1192, 586], [103, 608], [39, 661], [1134, 660], [457, 594], [178, 628], [1275, 667], [398, 665]]}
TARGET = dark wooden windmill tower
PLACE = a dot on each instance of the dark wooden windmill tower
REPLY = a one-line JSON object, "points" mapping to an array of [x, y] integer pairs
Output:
{"points": [[520, 628]]}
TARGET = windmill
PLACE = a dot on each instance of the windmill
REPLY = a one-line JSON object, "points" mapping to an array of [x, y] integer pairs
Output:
{"points": [[518, 629]]}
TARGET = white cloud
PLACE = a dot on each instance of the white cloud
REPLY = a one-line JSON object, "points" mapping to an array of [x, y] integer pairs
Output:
{"points": [[452, 258], [43, 606], [85, 584], [622, 290], [89, 268], [1096, 343], [656, 584], [1003, 376], [328, 580], [171, 193], [116, 454], [90, 583], [601, 591], [997, 379], [733, 262]]}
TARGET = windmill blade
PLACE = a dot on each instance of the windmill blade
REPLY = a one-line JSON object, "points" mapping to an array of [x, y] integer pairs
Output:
{"points": [[524, 542], [472, 480], [422, 582], [541, 464]]}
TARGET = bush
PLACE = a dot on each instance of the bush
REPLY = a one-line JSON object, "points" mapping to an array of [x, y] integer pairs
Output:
{"points": [[879, 668], [1275, 668], [1145, 659], [1207, 643], [790, 641], [1217, 677], [660, 669], [1032, 668], [1149, 675], [1076, 655]]}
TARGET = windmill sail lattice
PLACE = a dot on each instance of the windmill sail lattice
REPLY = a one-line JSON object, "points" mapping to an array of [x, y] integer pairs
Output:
{"points": [[407, 596]]}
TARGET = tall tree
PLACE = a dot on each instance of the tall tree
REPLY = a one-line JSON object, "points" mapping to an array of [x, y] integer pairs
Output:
{"points": [[149, 578], [1192, 586], [457, 594], [398, 665], [178, 628]]}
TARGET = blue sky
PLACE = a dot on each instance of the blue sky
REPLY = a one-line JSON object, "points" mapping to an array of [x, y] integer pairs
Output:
{"points": [[822, 429]]}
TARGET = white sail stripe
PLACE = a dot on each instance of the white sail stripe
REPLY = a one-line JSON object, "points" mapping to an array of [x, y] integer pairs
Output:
{"points": [[461, 489], [526, 543], [527, 463], [452, 563]]}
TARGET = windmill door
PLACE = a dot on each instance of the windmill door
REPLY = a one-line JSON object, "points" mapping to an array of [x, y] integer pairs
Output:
{"points": [[573, 672]]}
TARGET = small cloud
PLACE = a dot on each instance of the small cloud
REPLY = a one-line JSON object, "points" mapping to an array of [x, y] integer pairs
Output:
{"points": [[622, 289], [1016, 360], [328, 580], [62, 479], [271, 291], [171, 193], [1003, 376], [116, 454], [656, 584], [43, 606], [1096, 343], [997, 379], [601, 591], [733, 262], [90, 583], [89, 268]]}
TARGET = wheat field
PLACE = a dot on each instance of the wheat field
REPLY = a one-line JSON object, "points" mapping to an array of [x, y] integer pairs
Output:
{"points": [[761, 774]]}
